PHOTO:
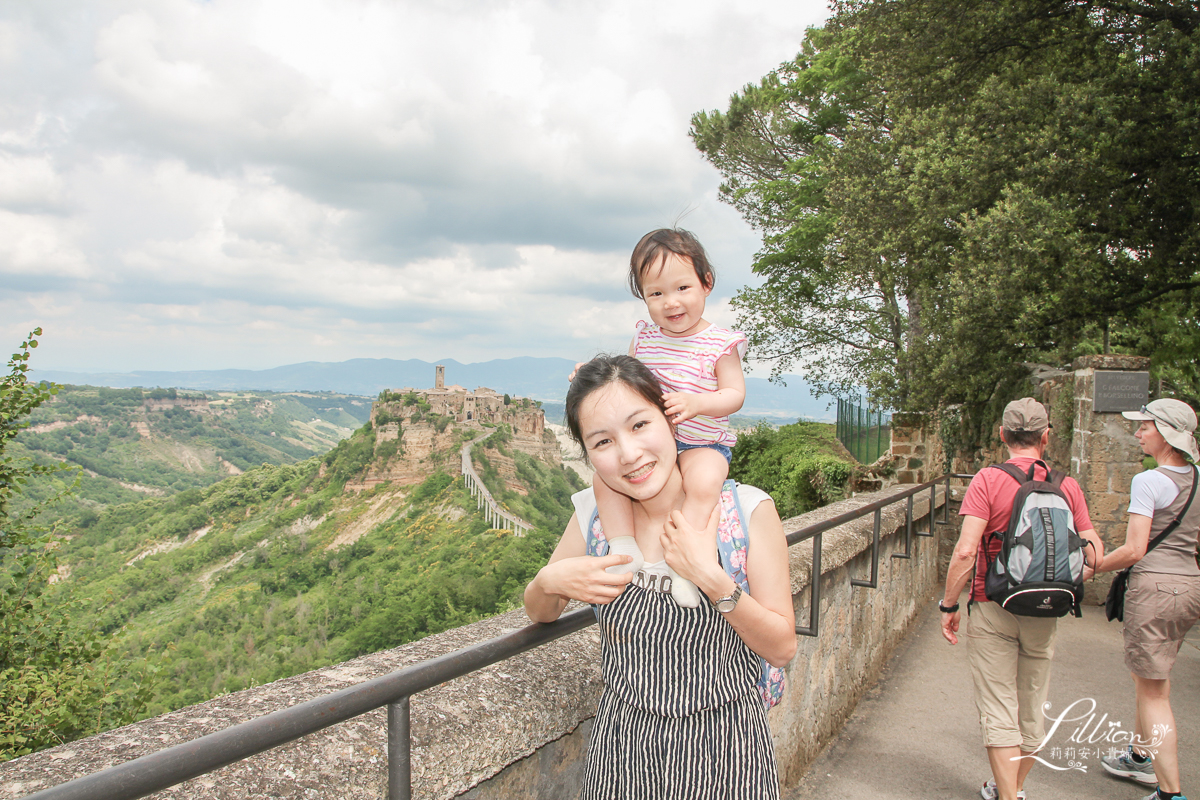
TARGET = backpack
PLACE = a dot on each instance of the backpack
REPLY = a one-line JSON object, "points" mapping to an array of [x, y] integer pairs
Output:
{"points": [[1039, 569], [732, 544]]}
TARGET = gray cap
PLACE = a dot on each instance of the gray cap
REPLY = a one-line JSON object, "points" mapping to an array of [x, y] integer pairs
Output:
{"points": [[1025, 414], [1174, 419]]}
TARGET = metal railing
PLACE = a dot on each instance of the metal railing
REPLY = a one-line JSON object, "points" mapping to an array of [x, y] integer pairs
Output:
{"points": [[157, 771], [865, 433]]}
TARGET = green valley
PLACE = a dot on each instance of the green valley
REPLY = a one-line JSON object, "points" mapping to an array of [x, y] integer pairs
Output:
{"points": [[134, 443], [288, 567]]}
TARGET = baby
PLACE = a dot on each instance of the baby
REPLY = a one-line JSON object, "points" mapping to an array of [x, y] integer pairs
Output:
{"points": [[699, 368]]}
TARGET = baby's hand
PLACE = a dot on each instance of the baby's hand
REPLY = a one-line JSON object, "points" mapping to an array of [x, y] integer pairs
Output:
{"points": [[575, 371], [681, 406]]}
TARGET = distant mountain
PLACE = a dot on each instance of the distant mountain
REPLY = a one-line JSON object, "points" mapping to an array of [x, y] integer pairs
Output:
{"points": [[539, 378]]}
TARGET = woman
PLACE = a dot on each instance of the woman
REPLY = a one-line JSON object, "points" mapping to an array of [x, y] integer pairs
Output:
{"points": [[680, 716], [1162, 601]]}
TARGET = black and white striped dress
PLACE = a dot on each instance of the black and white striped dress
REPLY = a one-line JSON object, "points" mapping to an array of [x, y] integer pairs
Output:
{"points": [[680, 717]]}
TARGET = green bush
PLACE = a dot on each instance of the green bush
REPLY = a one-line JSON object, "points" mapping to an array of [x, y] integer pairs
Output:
{"points": [[387, 451], [795, 464]]}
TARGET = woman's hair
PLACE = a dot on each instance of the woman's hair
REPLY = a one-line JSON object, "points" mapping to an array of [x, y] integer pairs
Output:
{"points": [[602, 371], [655, 245]]}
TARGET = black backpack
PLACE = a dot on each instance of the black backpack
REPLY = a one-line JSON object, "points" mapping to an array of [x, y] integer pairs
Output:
{"points": [[1039, 570]]}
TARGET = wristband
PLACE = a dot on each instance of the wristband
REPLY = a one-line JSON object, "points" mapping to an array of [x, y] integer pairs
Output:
{"points": [[947, 610]]}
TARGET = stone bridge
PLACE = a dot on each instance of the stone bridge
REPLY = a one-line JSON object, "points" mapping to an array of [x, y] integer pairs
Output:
{"points": [[497, 517]]}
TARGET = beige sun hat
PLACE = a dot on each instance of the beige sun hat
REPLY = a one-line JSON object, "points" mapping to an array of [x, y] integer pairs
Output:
{"points": [[1174, 419]]}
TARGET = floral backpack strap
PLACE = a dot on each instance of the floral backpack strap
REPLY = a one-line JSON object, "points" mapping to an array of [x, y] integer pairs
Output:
{"points": [[732, 545], [596, 543], [732, 541]]}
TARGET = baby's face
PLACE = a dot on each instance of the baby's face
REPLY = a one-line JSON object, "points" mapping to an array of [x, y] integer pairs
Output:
{"points": [[675, 296]]}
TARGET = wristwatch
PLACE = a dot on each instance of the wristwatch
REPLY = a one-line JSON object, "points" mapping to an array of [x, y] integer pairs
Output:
{"points": [[947, 609], [728, 602]]}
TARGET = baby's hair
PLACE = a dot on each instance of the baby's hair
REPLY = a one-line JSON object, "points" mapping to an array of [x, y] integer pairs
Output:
{"points": [[654, 247], [602, 371]]}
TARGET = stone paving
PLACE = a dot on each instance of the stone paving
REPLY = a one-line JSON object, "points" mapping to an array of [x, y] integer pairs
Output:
{"points": [[916, 734]]}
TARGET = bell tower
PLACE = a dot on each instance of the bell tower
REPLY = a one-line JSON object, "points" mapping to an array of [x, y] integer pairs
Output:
{"points": [[439, 377]]}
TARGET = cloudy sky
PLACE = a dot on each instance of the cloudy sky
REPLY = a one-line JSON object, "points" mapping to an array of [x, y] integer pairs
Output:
{"points": [[251, 183]]}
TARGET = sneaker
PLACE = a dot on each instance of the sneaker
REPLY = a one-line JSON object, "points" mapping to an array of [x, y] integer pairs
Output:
{"points": [[990, 792], [1155, 796], [1123, 766]]}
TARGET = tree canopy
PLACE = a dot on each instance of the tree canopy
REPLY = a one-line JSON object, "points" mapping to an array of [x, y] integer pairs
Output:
{"points": [[947, 189]]}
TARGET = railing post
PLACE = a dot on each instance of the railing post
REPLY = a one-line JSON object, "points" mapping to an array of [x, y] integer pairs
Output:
{"points": [[932, 508], [874, 582], [946, 503], [908, 530], [399, 751], [814, 592]]}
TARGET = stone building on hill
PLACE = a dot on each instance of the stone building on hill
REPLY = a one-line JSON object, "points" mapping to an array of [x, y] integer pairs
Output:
{"points": [[423, 431], [463, 406]]}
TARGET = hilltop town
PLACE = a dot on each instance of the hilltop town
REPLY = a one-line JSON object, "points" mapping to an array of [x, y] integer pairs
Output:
{"points": [[417, 430]]}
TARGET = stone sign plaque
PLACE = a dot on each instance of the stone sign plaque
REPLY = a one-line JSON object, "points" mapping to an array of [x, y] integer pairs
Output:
{"points": [[1120, 391]]}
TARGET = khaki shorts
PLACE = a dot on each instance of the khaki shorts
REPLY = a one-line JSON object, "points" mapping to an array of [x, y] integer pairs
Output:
{"points": [[1010, 667], [1159, 611]]}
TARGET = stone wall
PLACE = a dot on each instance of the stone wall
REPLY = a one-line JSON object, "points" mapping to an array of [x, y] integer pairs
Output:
{"points": [[859, 627], [917, 450], [1104, 457], [519, 729]]}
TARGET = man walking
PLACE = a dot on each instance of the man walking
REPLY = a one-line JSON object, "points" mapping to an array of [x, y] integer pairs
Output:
{"points": [[1009, 654]]}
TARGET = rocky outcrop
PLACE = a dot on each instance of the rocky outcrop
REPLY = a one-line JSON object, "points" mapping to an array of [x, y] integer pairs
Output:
{"points": [[421, 451]]}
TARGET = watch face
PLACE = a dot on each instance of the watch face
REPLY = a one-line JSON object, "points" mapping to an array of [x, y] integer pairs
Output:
{"points": [[727, 604]]}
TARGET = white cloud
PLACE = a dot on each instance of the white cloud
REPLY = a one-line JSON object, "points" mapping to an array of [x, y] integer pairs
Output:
{"points": [[206, 185], [33, 246], [29, 182]]}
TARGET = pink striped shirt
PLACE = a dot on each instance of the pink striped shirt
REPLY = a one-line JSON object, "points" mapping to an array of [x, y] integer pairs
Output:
{"points": [[689, 364]]}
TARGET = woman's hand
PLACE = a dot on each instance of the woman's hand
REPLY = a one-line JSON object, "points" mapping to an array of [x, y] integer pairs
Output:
{"points": [[573, 575], [584, 578], [690, 552]]}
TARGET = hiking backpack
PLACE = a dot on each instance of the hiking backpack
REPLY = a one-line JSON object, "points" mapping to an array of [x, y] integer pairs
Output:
{"points": [[1039, 569], [732, 545]]}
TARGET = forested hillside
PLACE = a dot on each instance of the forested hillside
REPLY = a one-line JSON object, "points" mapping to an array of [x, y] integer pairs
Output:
{"points": [[133, 443], [280, 570]]}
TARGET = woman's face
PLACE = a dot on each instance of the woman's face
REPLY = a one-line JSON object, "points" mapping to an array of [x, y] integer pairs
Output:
{"points": [[628, 440], [1151, 440]]}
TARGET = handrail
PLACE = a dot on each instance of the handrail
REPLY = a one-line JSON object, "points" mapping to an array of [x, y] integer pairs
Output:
{"points": [[165, 768]]}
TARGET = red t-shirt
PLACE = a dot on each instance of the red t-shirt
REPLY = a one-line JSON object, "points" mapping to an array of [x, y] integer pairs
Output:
{"points": [[990, 496]]}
